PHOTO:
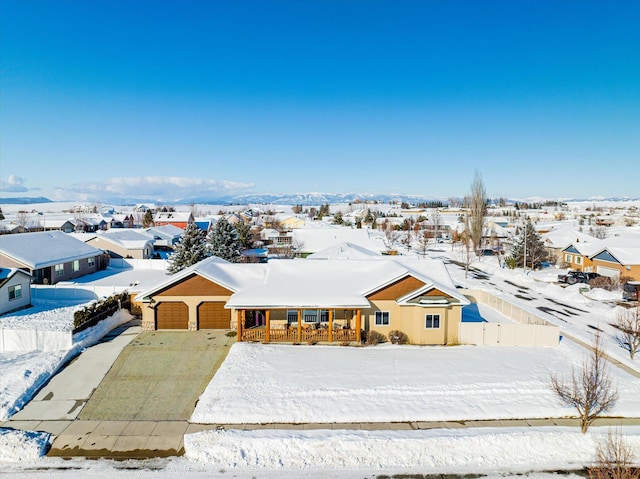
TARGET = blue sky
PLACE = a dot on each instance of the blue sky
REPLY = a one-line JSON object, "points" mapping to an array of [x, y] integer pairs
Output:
{"points": [[166, 99]]}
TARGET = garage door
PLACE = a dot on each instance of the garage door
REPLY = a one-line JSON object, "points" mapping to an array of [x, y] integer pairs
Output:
{"points": [[610, 272], [213, 316], [172, 316]]}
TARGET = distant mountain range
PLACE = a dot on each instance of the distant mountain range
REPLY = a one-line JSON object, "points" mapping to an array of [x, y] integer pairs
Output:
{"points": [[25, 200], [305, 199]]}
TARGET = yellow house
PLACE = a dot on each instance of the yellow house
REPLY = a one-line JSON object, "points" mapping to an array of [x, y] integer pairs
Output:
{"points": [[310, 300], [615, 261], [291, 223]]}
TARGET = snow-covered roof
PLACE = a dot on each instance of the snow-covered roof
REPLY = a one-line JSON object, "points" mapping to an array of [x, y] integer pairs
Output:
{"points": [[165, 231], [337, 283], [45, 248], [318, 239], [232, 276], [126, 238], [626, 256], [7, 273], [345, 251]]}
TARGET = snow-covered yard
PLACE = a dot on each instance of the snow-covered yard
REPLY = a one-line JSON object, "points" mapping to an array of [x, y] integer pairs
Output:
{"points": [[331, 384]]}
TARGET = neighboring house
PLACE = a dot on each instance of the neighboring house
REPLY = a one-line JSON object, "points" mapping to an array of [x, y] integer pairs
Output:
{"points": [[615, 261], [167, 235], [123, 243], [301, 300], [204, 225], [558, 240], [50, 256], [577, 256], [15, 289], [312, 240], [346, 251], [291, 223], [181, 219]]}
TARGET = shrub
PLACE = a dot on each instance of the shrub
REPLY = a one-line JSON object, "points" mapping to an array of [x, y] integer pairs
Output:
{"points": [[100, 307], [604, 282], [511, 262], [374, 337], [398, 337]]}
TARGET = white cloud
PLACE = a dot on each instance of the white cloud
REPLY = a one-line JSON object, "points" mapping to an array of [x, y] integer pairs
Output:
{"points": [[152, 188], [14, 184]]}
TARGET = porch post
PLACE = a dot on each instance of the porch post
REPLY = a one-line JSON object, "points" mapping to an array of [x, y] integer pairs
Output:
{"points": [[267, 327], [299, 325], [358, 326], [330, 325], [240, 319]]}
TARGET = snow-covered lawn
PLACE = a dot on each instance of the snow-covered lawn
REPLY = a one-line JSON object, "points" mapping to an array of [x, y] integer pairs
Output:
{"points": [[44, 315], [332, 384], [479, 450]]}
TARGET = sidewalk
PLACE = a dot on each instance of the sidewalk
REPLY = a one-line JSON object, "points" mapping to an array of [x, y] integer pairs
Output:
{"points": [[145, 439]]}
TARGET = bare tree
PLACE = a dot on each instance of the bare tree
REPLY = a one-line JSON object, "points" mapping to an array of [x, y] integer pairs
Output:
{"points": [[477, 211], [614, 459], [423, 243], [391, 234], [466, 238], [590, 389], [21, 218], [599, 232], [627, 321]]}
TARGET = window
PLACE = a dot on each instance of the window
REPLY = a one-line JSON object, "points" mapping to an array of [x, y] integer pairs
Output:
{"points": [[578, 260], [59, 269], [91, 262], [568, 258], [15, 292], [382, 318], [310, 315], [75, 266], [432, 321], [324, 316], [292, 316]]}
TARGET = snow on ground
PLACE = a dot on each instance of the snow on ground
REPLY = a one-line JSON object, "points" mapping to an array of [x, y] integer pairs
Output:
{"points": [[478, 450], [577, 314], [44, 315], [387, 383], [22, 446], [24, 373]]}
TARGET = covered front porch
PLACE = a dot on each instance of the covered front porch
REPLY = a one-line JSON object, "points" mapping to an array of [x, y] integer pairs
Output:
{"points": [[299, 325]]}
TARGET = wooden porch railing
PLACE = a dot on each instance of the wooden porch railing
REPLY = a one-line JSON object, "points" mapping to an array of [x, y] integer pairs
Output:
{"points": [[291, 335]]}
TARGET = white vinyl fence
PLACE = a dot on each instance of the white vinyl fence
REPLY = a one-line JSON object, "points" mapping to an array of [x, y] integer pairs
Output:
{"points": [[527, 330], [33, 339]]}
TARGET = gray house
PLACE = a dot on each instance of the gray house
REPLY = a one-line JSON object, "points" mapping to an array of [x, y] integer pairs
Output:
{"points": [[50, 256], [15, 289]]}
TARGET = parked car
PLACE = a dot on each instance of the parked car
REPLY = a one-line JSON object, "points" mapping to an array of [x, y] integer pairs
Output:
{"points": [[631, 291], [573, 277]]}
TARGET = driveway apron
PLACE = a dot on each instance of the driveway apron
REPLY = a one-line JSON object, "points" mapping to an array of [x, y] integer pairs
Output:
{"points": [[158, 376]]}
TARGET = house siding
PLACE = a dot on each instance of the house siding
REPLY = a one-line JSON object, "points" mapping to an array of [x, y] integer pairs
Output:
{"points": [[7, 305], [411, 321], [397, 289]]}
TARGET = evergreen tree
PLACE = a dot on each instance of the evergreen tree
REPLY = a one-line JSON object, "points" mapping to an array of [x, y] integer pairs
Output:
{"points": [[223, 241], [190, 250], [147, 221], [1, 215], [534, 246], [245, 235]]}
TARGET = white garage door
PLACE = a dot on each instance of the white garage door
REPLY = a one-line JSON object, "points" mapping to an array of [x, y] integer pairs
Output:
{"points": [[610, 272]]}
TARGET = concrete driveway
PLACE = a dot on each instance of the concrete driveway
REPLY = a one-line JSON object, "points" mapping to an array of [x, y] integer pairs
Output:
{"points": [[158, 376]]}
